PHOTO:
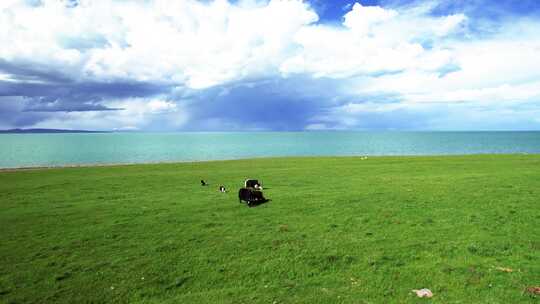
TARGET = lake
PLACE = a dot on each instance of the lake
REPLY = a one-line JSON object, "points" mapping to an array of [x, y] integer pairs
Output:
{"points": [[33, 150]]}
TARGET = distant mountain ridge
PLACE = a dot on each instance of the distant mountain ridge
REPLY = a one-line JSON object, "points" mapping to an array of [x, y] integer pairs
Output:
{"points": [[25, 131]]}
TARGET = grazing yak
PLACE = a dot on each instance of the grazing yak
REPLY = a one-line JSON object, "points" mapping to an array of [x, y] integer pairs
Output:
{"points": [[250, 196]]}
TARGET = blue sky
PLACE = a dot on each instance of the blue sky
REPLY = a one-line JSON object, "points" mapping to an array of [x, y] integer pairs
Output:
{"points": [[223, 65]]}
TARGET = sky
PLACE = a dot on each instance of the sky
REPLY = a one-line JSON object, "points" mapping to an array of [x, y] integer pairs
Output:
{"points": [[277, 65]]}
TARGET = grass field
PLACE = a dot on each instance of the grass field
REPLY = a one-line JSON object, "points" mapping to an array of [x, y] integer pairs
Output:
{"points": [[337, 230]]}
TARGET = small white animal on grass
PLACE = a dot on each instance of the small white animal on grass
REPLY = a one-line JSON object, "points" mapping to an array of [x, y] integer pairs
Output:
{"points": [[423, 293]]}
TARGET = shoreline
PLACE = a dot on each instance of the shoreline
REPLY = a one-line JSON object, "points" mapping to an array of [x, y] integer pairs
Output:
{"points": [[91, 165]]}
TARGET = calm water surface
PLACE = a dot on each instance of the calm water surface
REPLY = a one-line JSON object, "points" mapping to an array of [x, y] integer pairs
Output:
{"points": [[28, 150]]}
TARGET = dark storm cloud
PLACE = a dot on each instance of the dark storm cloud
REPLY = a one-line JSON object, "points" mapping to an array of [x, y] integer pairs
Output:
{"points": [[71, 96], [46, 89], [281, 104], [11, 116], [32, 72], [55, 104], [34, 92], [38, 80], [284, 104]]}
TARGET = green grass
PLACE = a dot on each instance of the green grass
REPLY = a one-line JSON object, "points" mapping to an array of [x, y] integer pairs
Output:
{"points": [[337, 230]]}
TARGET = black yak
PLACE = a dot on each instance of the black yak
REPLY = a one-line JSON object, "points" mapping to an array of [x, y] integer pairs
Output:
{"points": [[250, 196]]}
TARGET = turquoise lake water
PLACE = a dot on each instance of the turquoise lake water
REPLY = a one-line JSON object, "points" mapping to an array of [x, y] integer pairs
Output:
{"points": [[29, 150]]}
